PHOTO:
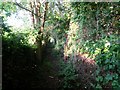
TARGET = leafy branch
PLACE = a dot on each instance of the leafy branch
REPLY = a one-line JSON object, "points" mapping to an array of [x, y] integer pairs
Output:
{"points": [[19, 5]]}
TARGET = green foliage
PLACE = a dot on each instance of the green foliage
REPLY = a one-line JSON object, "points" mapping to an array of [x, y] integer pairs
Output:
{"points": [[109, 66], [24, 38], [68, 75], [18, 45], [106, 52], [97, 34], [96, 20], [58, 20], [18, 58], [8, 8]]}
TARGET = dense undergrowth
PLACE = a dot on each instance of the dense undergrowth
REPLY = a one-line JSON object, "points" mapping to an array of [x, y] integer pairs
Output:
{"points": [[106, 53], [90, 30], [20, 63]]}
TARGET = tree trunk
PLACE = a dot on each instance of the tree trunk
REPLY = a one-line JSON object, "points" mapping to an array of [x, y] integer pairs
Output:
{"points": [[40, 36], [39, 49]]}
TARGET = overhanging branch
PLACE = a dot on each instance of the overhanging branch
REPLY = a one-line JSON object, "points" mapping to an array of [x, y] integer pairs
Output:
{"points": [[19, 5]]}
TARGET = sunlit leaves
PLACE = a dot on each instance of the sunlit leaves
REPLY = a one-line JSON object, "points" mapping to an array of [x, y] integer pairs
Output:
{"points": [[97, 51], [8, 7]]}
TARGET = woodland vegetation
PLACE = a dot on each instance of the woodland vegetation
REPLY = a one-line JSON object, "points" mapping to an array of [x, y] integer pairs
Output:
{"points": [[70, 45]]}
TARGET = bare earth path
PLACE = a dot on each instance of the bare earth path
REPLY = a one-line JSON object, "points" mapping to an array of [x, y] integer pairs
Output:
{"points": [[48, 77], [48, 72]]}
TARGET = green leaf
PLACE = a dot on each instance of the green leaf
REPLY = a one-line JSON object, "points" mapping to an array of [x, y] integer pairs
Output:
{"points": [[115, 76], [106, 67], [107, 61], [115, 83], [99, 79], [99, 86], [97, 72], [110, 66], [108, 77]]}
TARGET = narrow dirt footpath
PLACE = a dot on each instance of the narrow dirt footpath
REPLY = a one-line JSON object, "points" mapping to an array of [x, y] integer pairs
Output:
{"points": [[48, 72]]}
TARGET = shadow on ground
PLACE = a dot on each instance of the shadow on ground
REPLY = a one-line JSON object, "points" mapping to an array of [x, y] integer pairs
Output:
{"points": [[21, 69]]}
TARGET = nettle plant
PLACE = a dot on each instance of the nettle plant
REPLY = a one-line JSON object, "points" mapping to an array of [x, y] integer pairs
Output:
{"points": [[108, 61]]}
